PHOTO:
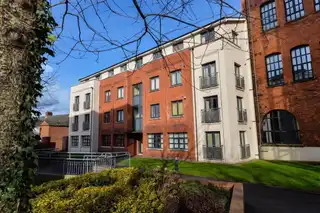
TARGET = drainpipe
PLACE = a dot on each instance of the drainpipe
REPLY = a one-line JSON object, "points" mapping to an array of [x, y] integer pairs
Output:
{"points": [[195, 103]]}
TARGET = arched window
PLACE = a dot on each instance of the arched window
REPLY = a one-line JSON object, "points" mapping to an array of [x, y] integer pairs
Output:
{"points": [[301, 63], [280, 127]]}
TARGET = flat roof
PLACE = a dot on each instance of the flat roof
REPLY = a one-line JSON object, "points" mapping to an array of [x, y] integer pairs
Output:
{"points": [[156, 47]]}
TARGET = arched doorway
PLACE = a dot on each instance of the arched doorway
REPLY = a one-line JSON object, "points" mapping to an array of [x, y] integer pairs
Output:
{"points": [[280, 127]]}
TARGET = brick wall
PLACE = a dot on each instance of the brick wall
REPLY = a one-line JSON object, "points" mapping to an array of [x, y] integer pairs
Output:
{"points": [[300, 98], [55, 133]]}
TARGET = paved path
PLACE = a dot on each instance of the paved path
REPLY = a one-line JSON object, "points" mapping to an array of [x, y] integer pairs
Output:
{"points": [[263, 199]]}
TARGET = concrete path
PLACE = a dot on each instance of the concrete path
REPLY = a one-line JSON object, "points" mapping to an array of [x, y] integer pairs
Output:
{"points": [[263, 199]]}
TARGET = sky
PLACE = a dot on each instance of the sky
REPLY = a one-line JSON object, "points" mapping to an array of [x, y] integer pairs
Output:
{"points": [[64, 71]]}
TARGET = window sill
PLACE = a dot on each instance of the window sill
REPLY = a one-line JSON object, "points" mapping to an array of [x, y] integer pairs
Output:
{"points": [[119, 147], [120, 98], [107, 101], [156, 90], [304, 80], [108, 147], [283, 145], [176, 116], [298, 19], [180, 150], [106, 123], [277, 85], [154, 119], [156, 149], [119, 122], [270, 30], [176, 85]]}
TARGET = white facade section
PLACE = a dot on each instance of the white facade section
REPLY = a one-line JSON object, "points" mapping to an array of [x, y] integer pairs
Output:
{"points": [[224, 54], [90, 87]]}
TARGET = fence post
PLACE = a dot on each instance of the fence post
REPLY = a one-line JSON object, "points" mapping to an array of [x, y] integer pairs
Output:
{"points": [[129, 160]]}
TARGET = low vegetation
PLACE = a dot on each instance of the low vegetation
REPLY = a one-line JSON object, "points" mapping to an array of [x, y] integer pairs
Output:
{"points": [[128, 190], [272, 173]]}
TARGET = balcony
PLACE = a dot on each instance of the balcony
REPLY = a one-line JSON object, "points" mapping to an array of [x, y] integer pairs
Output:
{"points": [[245, 151], [137, 125], [208, 81], [75, 127], [242, 116], [240, 82], [212, 153], [210, 115], [137, 100], [76, 107], [86, 105], [85, 126]]}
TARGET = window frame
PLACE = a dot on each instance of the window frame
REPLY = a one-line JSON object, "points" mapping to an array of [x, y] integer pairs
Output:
{"points": [[242, 135], [157, 55], [179, 114], [140, 64], [184, 138], [155, 139], [295, 12], [270, 12], [117, 114], [106, 136], [177, 44], [235, 39], [175, 73], [115, 140], [107, 93], [317, 5], [154, 78], [214, 143], [88, 140], [72, 141], [151, 111], [121, 93], [276, 80], [105, 120], [110, 73], [300, 47], [211, 36], [124, 68]]}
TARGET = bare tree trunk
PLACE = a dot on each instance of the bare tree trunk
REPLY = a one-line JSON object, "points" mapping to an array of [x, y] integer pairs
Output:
{"points": [[19, 89]]}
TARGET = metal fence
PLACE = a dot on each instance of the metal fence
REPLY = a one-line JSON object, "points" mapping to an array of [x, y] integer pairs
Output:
{"points": [[245, 151], [71, 163], [212, 153]]}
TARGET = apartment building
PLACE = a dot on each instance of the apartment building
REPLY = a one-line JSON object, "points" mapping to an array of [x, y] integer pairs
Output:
{"points": [[190, 98], [286, 58]]}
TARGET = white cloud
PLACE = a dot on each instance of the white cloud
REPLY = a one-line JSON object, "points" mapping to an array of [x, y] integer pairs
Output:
{"points": [[55, 99]]}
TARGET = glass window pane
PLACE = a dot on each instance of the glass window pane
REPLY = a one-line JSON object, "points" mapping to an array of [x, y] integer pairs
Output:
{"points": [[180, 109], [174, 109]]}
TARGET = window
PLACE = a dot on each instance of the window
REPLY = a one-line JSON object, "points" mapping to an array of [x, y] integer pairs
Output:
{"points": [[235, 37], [88, 97], [75, 125], [155, 111], [76, 103], [211, 102], [280, 127], [118, 140], [239, 103], [110, 73], [207, 36], [107, 117], [123, 68], [137, 89], [86, 104], [209, 70], [317, 5], [154, 82], [76, 119], [213, 139], [178, 46], [157, 55], [176, 78], [155, 141], [177, 108], [139, 63], [107, 96], [269, 16], [87, 118], [294, 9], [120, 92], [178, 141], [85, 140], [301, 63], [242, 138], [74, 141], [120, 116], [274, 69], [106, 140], [76, 100], [237, 69]]}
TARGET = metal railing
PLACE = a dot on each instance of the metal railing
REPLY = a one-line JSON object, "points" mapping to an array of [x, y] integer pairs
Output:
{"points": [[86, 105], [240, 84], [63, 163], [75, 127], [76, 107], [208, 81], [85, 126], [210, 115], [212, 153], [245, 151], [242, 116]]}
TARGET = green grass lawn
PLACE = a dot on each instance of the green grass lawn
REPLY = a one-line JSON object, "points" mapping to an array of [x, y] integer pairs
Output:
{"points": [[285, 174]]}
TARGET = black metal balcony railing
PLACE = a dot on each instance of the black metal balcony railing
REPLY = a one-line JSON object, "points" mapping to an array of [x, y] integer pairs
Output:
{"points": [[212, 153], [242, 116], [85, 125], [240, 82], [86, 105], [208, 81], [210, 115], [75, 127], [245, 151], [76, 107]]}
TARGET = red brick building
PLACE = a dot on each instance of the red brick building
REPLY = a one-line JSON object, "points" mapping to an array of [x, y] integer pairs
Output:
{"points": [[285, 48], [144, 111]]}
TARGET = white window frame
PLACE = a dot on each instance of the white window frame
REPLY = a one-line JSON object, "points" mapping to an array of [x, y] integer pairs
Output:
{"points": [[155, 83], [120, 92]]}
